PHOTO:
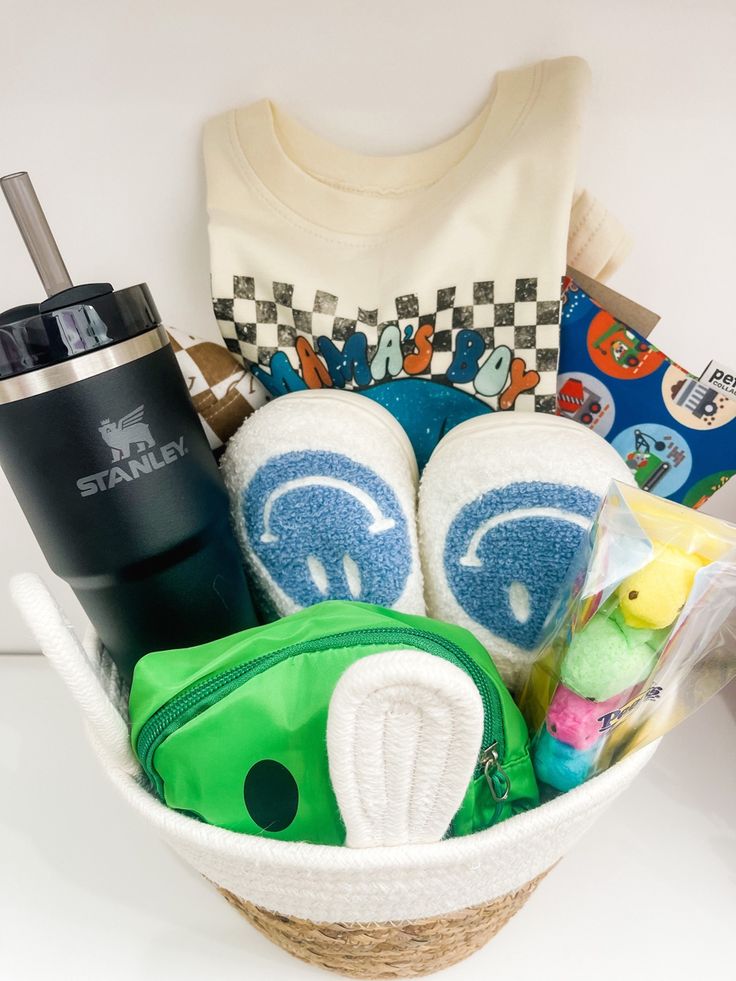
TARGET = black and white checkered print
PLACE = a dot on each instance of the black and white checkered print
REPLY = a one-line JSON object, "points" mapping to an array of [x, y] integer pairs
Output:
{"points": [[256, 323]]}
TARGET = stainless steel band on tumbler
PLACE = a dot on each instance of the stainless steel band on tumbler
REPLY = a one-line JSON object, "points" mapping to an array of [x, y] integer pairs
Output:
{"points": [[77, 369]]}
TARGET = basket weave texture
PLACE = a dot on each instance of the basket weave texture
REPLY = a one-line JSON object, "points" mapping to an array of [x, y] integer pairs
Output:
{"points": [[406, 949]]}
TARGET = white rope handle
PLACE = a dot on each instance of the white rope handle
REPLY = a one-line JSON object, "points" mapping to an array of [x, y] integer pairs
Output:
{"points": [[93, 685]]}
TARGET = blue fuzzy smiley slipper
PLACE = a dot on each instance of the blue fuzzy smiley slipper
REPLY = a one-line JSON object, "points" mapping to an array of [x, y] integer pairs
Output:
{"points": [[505, 501], [323, 487]]}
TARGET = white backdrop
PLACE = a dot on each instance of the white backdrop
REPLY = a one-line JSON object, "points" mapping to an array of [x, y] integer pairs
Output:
{"points": [[103, 104]]}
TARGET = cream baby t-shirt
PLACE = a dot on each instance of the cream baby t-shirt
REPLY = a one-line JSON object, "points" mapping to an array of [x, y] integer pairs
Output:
{"points": [[429, 282]]}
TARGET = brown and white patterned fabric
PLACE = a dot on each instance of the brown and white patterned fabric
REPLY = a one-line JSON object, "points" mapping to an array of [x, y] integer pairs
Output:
{"points": [[223, 392]]}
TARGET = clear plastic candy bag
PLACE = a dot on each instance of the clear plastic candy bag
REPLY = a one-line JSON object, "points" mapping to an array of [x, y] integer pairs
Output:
{"points": [[648, 636]]}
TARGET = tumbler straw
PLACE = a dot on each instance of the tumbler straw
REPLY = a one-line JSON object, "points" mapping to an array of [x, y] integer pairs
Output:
{"points": [[36, 233]]}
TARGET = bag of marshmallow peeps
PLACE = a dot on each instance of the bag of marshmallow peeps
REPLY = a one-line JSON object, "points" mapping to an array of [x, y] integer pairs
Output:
{"points": [[648, 636]]}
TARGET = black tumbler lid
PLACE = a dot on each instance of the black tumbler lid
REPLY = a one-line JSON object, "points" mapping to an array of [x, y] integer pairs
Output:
{"points": [[72, 323]]}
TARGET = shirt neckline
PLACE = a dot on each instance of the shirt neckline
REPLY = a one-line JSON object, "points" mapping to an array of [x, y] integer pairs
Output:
{"points": [[344, 193]]}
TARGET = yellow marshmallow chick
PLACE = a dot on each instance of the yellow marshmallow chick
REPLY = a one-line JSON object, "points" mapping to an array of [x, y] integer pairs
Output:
{"points": [[653, 597]]}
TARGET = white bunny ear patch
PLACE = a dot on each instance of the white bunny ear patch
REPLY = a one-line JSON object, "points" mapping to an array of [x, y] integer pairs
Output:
{"points": [[403, 738]]}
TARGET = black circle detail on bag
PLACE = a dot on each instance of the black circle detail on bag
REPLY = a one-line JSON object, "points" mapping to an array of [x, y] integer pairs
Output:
{"points": [[271, 795]]}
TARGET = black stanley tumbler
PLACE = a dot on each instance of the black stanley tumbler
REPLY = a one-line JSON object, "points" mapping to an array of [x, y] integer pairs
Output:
{"points": [[106, 455]]}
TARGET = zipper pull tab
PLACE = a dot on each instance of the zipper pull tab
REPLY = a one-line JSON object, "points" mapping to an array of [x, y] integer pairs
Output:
{"points": [[495, 775]]}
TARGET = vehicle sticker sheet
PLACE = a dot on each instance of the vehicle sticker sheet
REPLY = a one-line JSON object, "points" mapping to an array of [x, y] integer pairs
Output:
{"points": [[676, 433]]}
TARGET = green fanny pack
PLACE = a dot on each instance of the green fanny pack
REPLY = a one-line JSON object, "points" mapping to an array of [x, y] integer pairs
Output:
{"points": [[235, 732]]}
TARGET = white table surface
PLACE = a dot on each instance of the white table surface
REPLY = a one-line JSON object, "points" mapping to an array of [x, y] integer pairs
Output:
{"points": [[87, 891]]}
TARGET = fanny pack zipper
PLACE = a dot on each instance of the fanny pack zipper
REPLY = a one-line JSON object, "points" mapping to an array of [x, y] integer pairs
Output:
{"points": [[200, 695]]}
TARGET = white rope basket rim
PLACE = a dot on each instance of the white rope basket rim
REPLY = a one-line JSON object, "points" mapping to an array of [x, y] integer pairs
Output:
{"points": [[596, 793], [321, 883]]}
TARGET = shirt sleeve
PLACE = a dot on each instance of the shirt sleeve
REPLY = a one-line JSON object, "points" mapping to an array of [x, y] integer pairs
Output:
{"points": [[597, 242]]}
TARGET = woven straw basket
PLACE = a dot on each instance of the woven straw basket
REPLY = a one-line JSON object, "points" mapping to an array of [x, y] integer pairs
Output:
{"points": [[366, 913]]}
